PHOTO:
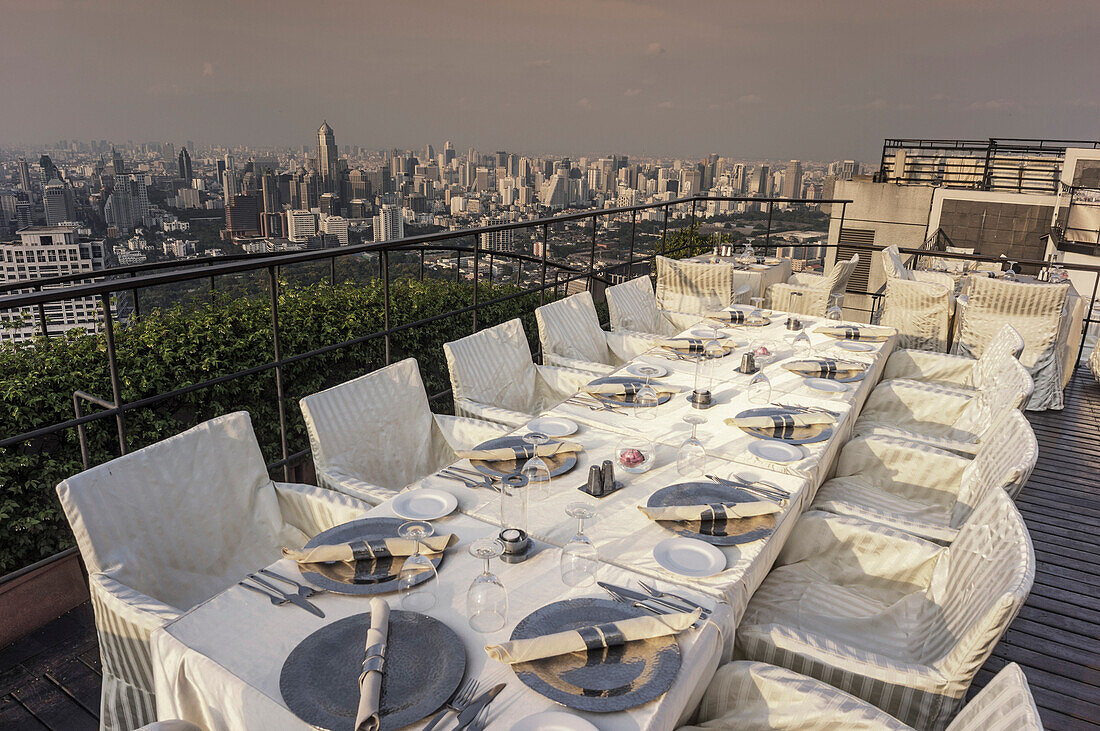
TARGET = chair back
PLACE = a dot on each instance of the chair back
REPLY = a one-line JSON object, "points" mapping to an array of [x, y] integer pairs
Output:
{"points": [[837, 279], [183, 518], [1033, 309], [494, 367], [1007, 344], [919, 311], [1010, 388], [892, 264], [570, 328], [1004, 461], [1004, 704], [632, 307], [693, 287], [977, 589], [376, 427]]}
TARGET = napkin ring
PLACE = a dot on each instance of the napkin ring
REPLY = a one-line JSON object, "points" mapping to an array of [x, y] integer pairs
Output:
{"points": [[375, 660]]}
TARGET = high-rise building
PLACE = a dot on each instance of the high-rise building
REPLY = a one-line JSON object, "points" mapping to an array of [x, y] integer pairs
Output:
{"points": [[792, 180], [24, 175], [242, 216], [336, 226], [448, 152], [498, 240], [389, 224], [118, 210], [849, 169], [301, 225], [185, 170], [57, 199], [229, 181], [49, 170], [327, 157]]}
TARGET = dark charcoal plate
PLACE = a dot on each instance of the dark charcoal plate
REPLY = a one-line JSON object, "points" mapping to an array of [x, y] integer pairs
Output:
{"points": [[559, 464], [619, 400], [601, 681], [362, 577], [724, 533], [425, 661], [803, 434]]}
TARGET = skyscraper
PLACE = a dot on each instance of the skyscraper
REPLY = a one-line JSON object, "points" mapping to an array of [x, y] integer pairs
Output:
{"points": [[24, 175], [229, 182], [389, 224], [57, 199], [792, 180], [185, 166], [326, 158]]}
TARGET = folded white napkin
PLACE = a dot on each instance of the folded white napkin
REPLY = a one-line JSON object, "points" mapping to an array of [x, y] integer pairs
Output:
{"points": [[499, 454], [590, 638], [370, 681], [857, 332], [628, 389], [693, 345], [365, 550], [826, 367], [786, 419], [714, 511]]}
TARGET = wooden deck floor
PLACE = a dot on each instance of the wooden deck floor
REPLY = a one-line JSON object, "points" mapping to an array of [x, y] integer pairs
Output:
{"points": [[51, 678]]}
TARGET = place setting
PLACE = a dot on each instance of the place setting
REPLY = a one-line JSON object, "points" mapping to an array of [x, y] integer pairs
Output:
{"points": [[498, 458], [862, 333], [619, 393], [781, 430], [721, 513], [832, 369]]}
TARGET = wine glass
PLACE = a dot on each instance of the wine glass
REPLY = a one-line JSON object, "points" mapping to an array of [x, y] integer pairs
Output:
{"points": [[535, 469], [579, 558], [486, 599], [757, 314], [1010, 273], [747, 251], [803, 348], [645, 401], [691, 460], [759, 390], [836, 308], [415, 581]]}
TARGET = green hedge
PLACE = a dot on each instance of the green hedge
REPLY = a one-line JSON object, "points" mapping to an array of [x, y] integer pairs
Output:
{"points": [[173, 348]]}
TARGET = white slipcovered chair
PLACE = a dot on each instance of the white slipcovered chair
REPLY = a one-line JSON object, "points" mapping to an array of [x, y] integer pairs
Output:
{"points": [[494, 378], [918, 304], [1035, 310], [632, 308], [943, 416], [167, 527], [923, 490], [814, 288], [959, 371], [696, 288], [898, 621], [374, 435], [755, 696], [1094, 361], [571, 336]]}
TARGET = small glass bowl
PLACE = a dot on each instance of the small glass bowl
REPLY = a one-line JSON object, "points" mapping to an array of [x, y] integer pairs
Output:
{"points": [[635, 454]]}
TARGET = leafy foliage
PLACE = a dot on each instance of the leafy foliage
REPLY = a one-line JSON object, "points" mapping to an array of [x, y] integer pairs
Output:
{"points": [[178, 347]]}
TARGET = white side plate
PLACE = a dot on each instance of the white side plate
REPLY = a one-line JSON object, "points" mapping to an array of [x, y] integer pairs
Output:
{"points": [[425, 503], [647, 370], [553, 721], [824, 384], [772, 451], [689, 557], [854, 346], [553, 426]]}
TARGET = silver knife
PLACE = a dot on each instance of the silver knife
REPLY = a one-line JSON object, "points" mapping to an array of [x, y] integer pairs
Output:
{"points": [[470, 712], [294, 598], [637, 596]]}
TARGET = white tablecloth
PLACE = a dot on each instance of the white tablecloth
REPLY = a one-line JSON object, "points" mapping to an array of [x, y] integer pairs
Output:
{"points": [[219, 664], [758, 279]]}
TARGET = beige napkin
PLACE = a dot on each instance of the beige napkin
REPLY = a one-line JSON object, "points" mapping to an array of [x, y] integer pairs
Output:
{"points": [[621, 389], [852, 332], [689, 345], [600, 635], [730, 317], [500, 454], [786, 419], [374, 549], [370, 682], [714, 511], [825, 368]]}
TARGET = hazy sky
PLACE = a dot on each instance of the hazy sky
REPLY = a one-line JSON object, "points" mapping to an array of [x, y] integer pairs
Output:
{"points": [[813, 80]]}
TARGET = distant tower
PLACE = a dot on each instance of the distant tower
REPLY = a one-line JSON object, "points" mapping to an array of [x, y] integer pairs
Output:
{"points": [[326, 158], [185, 166], [24, 175], [792, 180], [230, 182]]}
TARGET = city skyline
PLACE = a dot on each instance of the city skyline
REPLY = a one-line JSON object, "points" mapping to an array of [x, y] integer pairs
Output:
{"points": [[811, 81]]}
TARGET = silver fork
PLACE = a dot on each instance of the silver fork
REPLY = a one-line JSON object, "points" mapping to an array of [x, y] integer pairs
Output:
{"points": [[615, 596], [657, 593], [276, 600], [466, 693], [304, 590]]}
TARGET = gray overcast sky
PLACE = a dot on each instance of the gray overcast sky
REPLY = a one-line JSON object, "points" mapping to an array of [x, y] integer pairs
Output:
{"points": [[814, 80]]}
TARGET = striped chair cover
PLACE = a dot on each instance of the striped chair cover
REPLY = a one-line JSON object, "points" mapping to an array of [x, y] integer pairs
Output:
{"points": [[1035, 310], [494, 378], [571, 336], [755, 696], [814, 288], [900, 622], [696, 288], [924, 490], [956, 370], [917, 304], [943, 416], [632, 308], [1094, 361], [167, 527], [362, 450]]}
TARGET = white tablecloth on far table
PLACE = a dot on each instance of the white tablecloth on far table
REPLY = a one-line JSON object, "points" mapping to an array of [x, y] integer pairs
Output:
{"points": [[758, 279], [219, 664]]}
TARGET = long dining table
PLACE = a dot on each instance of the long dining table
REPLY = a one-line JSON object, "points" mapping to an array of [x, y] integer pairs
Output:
{"points": [[219, 664]]}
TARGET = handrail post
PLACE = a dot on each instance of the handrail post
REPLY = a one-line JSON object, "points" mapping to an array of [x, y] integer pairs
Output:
{"points": [[1088, 320], [519, 271], [421, 263], [592, 254], [332, 271], [490, 269], [768, 231], [384, 257], [112, 364], [477, 272], [691, 244], [630, 258], [211, 289], [134, 294], [280, 395], [664, 233], [542, 289], [458, 266], [42, 315]]}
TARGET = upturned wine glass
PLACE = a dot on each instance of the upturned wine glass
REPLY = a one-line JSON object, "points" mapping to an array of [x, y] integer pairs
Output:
{"points": [[759, 390], [691, 459], [535, 468], [645, 402], [802, 346], [579, 558], [486, 599], [836, 308], [416, 581]]}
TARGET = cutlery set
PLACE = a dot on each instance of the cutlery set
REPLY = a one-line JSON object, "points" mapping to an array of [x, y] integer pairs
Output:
{"points": [[764, 490], [654, 601], [468, 703], [592, 404], [468, 478], [277, 596]]}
